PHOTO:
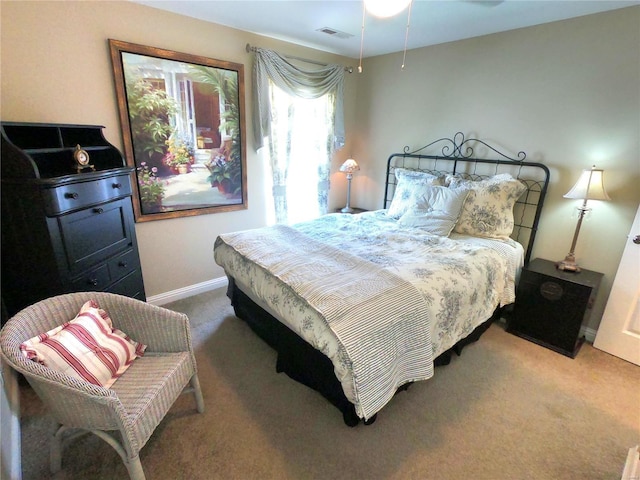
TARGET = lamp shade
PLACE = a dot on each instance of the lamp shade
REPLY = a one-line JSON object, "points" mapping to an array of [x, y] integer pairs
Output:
{"points": [[590, 186], [349, 166], [385, 8]]}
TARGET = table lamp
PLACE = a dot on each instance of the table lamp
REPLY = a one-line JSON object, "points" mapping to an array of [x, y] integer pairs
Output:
{"points": [[348, 167], [590, 186]]}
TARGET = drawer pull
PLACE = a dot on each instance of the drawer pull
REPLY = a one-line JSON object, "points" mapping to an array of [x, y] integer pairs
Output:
{"points": [[92, 281], [73, 195], [117, 185], [122, 264], [98, 210], [551, 291]]}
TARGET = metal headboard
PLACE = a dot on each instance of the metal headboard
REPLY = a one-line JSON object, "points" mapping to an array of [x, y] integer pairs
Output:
{"points": [[457, 156]]}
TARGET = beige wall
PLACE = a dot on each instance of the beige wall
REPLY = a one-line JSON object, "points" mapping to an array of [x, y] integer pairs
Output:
{"points": [[567, 93], [56, 68]]}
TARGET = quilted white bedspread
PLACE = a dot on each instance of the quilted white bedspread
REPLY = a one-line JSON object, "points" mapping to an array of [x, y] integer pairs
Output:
{"points": [[323, 281], [380, 318]]}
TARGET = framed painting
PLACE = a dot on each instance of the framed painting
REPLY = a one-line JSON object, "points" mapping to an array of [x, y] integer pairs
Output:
{"points": [[183, 127]]}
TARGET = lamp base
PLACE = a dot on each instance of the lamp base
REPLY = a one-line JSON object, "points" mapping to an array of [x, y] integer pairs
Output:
{"points": [[347, 210], [568, 264]]}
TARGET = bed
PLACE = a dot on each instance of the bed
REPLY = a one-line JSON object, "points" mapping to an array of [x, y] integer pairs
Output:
{"points": [[358, 307]]}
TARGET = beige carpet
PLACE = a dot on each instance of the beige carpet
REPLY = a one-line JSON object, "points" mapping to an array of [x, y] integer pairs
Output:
{"points": [[506, 409]]}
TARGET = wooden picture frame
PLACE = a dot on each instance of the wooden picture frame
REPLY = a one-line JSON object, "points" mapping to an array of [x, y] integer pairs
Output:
{"points": [[183, 127]]}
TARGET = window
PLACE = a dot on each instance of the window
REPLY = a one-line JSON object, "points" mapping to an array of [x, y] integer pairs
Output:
{"points": [[299, 150], [299, 118]]}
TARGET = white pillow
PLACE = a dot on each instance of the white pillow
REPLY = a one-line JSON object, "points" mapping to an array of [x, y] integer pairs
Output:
{"points": [[410, 187], [488, 210], [437, 211], [87, 347]]}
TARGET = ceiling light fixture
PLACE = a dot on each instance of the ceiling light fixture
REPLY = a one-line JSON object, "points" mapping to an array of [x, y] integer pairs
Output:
{"points": [[385, 8]]}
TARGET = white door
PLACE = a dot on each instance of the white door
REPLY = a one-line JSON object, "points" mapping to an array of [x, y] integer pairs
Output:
{"points": [[619, 331]]}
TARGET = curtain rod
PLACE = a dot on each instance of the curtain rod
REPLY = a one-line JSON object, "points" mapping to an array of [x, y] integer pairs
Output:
{"points": [[250, 48]]}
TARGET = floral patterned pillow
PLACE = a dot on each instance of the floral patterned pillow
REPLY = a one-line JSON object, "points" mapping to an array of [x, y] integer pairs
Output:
{"points": [[488, 210], [409, 189]]}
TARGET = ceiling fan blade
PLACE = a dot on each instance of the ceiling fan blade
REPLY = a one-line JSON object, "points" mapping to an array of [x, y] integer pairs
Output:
{"points": [[485, 3]]}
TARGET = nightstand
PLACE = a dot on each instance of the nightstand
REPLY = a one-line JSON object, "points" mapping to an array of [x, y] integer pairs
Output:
{"points": [[551, 305], [355, 210]]}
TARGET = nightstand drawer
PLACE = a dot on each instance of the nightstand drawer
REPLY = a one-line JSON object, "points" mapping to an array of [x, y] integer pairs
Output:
{"points": [[552, 290]]}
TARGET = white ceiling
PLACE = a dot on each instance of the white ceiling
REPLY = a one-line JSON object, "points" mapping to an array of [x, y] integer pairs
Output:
{"points": [[432, 21]]}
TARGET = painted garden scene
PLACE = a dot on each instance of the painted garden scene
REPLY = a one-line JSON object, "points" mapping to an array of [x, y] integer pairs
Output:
{"points": [[186, 132]]}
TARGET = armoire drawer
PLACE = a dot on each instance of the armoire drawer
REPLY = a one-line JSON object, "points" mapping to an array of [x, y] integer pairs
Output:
{"points": [[74, 196], [131, 285], [123, 281], [95, 279], [123, 264]]}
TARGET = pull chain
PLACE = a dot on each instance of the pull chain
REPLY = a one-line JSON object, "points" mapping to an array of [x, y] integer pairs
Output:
{"points": [[406, 36], [361, 38]]}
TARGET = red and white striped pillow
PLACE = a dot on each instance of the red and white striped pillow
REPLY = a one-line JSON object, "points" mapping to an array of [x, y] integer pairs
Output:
{"points": [[87, 347]]}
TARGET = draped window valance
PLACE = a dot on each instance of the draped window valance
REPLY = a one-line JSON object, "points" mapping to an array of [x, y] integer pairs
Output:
{"points": [[301, 82]]}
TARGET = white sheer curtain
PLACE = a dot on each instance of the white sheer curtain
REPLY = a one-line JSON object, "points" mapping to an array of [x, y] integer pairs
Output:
{"points": [[299, 117]]}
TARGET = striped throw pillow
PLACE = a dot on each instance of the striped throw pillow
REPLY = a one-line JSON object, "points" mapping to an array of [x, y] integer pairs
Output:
{"points": [[87, 347]]}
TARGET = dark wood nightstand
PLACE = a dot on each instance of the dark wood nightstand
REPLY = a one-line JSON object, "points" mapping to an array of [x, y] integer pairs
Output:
{"points": [[355, 210], [551, 305]]}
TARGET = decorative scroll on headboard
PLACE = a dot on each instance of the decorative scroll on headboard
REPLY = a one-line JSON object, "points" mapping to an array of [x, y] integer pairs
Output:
{"points": [[466, 158]]}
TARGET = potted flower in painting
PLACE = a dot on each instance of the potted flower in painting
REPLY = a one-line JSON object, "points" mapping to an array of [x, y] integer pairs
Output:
{"points": [[180, 154], [150, 187], [226, 170]]}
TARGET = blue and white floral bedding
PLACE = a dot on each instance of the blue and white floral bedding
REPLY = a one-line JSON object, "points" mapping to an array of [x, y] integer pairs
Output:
{"points": [[461, 280]]}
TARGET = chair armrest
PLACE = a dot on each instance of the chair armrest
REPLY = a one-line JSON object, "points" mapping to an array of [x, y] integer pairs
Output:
{"points": [[73, 402]]}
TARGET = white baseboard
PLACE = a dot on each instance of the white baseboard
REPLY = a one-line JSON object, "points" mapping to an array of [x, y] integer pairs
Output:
{"points": [[189, 291], [589, 334]]}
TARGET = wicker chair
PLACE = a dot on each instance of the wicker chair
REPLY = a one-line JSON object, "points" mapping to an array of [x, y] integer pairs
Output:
{"points": [[126, 414]]}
